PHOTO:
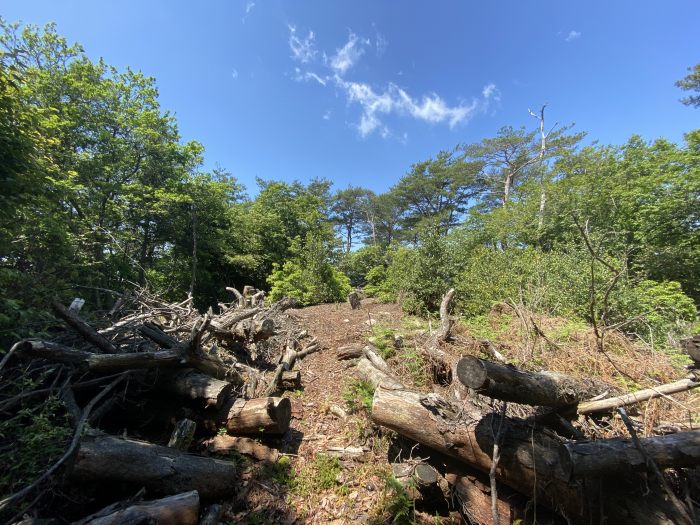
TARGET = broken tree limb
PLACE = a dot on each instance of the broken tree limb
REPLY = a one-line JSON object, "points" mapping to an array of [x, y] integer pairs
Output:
{"points": [[243, 445], [508, 383], [181, 509], [108, 363], [366, 371], [161, 470], [441, 362], [620, 456], [85, 330], [290, 380], [267, 415], [289, 359], [529, 458], [370, 353], [610, 404], [238, 295]]}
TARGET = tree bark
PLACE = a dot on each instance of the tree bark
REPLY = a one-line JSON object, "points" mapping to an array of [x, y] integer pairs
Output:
{"points": [[366, 371], [192, 384], [289, 359], [181, 509], [441, 362], [508, 383], [161, 470], [268, 415], [290, 380], [349, 352], [529, 461], [619, 456], [182, 435], [609, 404]]}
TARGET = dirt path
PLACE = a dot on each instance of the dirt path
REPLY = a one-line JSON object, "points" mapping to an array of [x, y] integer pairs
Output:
{"points": [[312, 486]]}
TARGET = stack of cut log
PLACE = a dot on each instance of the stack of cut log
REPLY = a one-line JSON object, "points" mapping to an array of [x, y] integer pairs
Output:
{"points": [[204, 373], [539, 467]]}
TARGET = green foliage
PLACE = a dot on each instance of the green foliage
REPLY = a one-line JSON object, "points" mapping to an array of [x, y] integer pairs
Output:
{"points": [[691, 82], [309, 276], [654, 310], [282, 472], [32, 439], [399, 505], [358, 395], [383, 339], [358, 264], [320, 474]]}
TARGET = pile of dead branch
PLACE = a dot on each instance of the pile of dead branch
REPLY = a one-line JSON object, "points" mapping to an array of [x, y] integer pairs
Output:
{"points": [[138, 393], [510, 444]]}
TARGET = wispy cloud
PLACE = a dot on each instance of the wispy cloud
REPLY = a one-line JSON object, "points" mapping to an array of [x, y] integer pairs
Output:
{"points": [[348, 55], [429, 108], [573, 35], [248, 8], [327, 115], [377, 103], [303, 49], [234, 74]]}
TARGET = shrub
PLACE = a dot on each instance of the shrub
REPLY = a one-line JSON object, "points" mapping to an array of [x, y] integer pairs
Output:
{"points": [[309, 276]]}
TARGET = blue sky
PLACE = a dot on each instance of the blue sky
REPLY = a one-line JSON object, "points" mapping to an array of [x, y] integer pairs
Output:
{"points": [[358, 91]]}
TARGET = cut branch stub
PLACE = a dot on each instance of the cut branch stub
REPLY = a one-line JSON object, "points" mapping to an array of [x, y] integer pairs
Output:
{"points": [[508, 383]]}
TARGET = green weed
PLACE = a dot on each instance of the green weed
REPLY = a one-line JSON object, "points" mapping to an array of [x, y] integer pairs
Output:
{"points": [[358, 395]]}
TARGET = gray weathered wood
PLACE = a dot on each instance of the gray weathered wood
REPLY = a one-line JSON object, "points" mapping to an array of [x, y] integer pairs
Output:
{"points": [[509, 383]]}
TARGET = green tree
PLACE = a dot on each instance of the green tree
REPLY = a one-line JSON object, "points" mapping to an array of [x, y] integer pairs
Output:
{"points": [[691, 83]]}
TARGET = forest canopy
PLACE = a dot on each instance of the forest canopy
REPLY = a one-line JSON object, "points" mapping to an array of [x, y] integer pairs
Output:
{"points": [[100, 194]]}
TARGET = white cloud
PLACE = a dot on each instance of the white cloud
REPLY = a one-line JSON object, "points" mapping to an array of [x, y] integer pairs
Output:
{"points": [[573, 35], [375, 104], [234, 73], [303, 49], [430, 108], [348, 55], [327, 115]]}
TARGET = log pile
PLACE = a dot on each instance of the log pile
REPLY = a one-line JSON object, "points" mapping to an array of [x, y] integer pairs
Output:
{"points": [[146, 387], [515, 431]]}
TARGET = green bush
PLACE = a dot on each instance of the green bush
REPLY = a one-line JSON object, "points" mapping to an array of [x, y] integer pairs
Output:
{"points": [[357, 265], [309, 276], [653, 310]]}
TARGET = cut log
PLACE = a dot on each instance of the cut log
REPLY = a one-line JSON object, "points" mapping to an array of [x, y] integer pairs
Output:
{"points": [[242, 445], [508, 383], [611, 403], [349, 352], [268, 415], [85, 330], [619, 456], [194, 385], [354, 300], [161, 470], [366, 371], [182, 435], [692, 348], [529, 460], [181, 509], [291, 380]]}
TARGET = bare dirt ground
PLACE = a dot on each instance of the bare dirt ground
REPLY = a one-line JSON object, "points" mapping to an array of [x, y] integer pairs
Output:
{"points": [[312, 487]]}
